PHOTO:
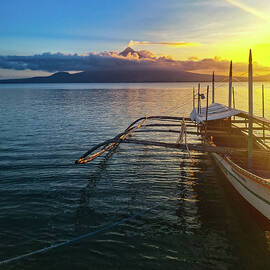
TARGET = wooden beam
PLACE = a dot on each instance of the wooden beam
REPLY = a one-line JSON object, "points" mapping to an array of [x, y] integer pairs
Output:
{"points": [[158, 130], [163, 117], [196, 147], [225, 135], [168, 125], [165, 130], [263, 137], [221, 132], [239, 121], [254, 128], [262, 142], [263, 125], [256, 119]]}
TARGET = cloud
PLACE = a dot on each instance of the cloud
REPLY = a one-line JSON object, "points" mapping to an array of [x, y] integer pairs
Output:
{"points": [[248, 9], [173, 44], [220, 66], [193, 58], [92, 61], [129, 59], [65, 62]]}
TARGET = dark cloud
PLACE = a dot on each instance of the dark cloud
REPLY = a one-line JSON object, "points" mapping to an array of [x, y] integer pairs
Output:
{"points": [[60, 62], [135, 60], [92, 61]]}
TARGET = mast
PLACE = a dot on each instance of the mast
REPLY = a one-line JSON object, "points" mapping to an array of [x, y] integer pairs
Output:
{"points": [[230, 86], [193, 97], [213, 87], [206, 114], [250, 110], [233, 97], [199, 98], [263, 110], [207, 103]]}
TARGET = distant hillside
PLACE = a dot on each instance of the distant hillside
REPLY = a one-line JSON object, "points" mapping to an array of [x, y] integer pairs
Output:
{"points": [[117, 76]]}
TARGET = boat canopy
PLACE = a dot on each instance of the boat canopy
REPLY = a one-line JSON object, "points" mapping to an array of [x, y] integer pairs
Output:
{"points": [[215, 111]]}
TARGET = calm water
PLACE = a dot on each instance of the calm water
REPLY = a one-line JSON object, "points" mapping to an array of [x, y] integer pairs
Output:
{"points": [[45, 198]]}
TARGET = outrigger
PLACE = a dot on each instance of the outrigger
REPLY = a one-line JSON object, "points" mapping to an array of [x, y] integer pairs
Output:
{"points": [[227, 134]]}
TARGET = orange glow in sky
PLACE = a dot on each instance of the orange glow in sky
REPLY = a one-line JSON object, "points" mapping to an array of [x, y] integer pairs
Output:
{"points": [[244, 25]]}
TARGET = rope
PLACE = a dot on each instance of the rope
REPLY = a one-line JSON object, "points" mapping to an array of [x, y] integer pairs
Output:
{"points": [[187, 143], [182, 132], [81, 237]]}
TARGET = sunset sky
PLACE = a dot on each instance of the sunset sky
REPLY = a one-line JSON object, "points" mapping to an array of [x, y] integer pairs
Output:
{"points": [[182, 29]]}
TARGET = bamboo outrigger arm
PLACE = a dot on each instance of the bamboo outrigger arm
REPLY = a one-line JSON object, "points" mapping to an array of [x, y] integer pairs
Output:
{"points": [[114, 142], [162, 117], [122, 137], [195, 147], [183, 147]]}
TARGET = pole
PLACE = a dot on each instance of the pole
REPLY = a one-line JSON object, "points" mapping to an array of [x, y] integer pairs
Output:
{"points": [[233, 98], [230, 86], [213, 87], [199, 98], [207, 95], [206, 113], [193, 97], [263, 111], [250, 110]]}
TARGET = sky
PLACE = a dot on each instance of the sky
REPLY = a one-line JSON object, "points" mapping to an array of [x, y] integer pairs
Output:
{"points": [[184, 30]]}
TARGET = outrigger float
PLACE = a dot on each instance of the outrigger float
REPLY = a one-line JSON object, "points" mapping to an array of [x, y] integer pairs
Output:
{"points": [[229, 135]]}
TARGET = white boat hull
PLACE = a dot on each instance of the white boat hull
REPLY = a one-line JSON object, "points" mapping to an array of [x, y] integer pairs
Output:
{"points": [[254, 192]]}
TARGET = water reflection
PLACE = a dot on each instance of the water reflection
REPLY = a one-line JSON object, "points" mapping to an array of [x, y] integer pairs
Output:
{"points": [[86, 211]]}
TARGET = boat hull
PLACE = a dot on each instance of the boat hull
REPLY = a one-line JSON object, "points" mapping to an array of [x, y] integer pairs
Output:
{"points": [[254, 192]]}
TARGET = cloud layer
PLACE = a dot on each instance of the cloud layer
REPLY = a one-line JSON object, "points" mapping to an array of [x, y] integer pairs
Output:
{"points": [[127, 60], [173, 44]]}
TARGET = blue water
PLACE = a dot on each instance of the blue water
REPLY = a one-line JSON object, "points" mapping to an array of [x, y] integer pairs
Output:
{"points": [[201, 223]]}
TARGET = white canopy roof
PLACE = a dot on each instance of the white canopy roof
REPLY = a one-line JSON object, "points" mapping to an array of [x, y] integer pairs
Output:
{"points": [[215, 111]]}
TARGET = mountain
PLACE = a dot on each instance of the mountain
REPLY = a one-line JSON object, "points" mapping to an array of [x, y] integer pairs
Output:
{"points": [[117, 76], [127, 51], [138, 54], [54, 78]]}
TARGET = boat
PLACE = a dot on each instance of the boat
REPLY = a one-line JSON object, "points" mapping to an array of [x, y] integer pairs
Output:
{"points": [[247, 164], [236, 139]]}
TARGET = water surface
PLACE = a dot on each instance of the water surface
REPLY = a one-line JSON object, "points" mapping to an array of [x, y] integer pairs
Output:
{"points": [[201, 222]]}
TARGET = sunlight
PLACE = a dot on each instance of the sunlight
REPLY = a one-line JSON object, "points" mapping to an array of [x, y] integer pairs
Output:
{"points": [[249, 10]]}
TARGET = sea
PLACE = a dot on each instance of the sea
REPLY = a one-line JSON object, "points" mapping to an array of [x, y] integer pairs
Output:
{"points": [[138, 207]]}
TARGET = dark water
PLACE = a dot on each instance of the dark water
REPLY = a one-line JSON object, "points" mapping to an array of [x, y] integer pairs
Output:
{"points": [[201, 223]]}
